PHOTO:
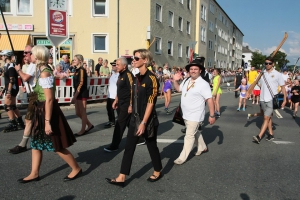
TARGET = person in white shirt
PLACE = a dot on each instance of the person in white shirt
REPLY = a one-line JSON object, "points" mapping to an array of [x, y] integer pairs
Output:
{"points": [[112, 93], [195, 92], [29, 79], [166, 70], [285, 75], [270, 81]]}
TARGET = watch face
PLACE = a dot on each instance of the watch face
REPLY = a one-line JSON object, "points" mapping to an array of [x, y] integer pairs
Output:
{"points": [[58, 4]]}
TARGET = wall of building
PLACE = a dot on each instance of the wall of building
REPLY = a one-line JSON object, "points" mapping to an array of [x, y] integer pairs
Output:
{"points": [[167, 33]]}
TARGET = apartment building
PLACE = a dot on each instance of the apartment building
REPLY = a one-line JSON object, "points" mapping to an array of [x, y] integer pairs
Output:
{"points": [[113, 28]]}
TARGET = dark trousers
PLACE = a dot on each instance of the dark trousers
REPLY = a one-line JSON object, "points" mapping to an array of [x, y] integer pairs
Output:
{"points": [[131, 142], [236, 94], [121, 123], [110, 110]]}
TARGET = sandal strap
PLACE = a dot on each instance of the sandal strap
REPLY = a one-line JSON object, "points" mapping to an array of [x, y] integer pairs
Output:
{"points": [[155, 177]]}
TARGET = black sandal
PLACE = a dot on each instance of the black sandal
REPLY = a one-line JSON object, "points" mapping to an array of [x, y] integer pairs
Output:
{"points": [[156, 178]]}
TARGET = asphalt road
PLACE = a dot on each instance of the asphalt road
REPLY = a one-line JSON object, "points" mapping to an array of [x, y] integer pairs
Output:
{"points": [[234, 167]]}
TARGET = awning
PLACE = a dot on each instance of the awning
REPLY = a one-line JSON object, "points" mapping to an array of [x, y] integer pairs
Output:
{"points": [[19, 42]]}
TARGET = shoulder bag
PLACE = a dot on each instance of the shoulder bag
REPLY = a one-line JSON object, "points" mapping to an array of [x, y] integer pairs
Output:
{"points": [[275, 97], [178, 113]]}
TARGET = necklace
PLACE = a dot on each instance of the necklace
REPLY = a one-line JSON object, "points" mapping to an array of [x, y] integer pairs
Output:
{"points": [[189, 86]]}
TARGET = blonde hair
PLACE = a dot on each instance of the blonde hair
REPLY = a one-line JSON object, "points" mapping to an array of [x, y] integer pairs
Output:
{"points": [[145, 54], [41, 54], [80, 58]]}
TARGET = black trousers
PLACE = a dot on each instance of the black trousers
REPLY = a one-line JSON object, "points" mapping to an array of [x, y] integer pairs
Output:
{"points": [[110, 110], [121, 123], [236, 94], [130, 148]]}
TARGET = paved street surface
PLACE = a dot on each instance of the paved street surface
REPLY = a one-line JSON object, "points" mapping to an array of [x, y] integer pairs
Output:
{"points": [[234, 167]]}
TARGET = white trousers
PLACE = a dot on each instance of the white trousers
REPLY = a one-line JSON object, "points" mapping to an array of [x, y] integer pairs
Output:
{"points": [[192, 135]]}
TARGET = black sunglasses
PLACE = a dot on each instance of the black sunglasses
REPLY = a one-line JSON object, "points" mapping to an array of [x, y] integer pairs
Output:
{"points": [[268, 63], [27, 52], [136, 58]]}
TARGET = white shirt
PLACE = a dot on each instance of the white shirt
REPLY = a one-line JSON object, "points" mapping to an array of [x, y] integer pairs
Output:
{"points": [[274, 79], [135, 71], [31, 70], [167, 72], [112, 88], [193, 100], [285, 77]]}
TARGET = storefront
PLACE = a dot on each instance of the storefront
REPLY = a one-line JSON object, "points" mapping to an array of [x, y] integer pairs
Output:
{"points": [[65, 49]]}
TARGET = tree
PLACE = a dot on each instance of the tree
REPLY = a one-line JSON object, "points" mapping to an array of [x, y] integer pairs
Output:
{"points": [[257, 59], [280, 60]]}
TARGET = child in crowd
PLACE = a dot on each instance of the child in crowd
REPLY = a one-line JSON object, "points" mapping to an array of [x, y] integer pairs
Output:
{"points": [[243, 89], [256, 93], [167, 90]]}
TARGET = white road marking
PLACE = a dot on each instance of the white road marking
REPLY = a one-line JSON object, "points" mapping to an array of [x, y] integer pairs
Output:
{"points": [[283, 142], [169, 141], [278, 115]]}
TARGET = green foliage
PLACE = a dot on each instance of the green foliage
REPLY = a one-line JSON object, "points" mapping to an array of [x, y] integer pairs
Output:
{"points": [[257, 59], [280, 59]]}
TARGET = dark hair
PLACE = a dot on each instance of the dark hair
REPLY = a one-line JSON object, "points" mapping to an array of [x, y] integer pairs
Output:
{"points": [[270, 59], [218, 70]]}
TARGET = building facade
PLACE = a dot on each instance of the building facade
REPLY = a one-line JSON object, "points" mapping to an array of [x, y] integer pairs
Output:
{"points": [[113, 28]]}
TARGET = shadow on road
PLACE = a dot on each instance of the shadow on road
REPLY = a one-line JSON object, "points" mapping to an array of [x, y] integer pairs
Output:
{"points": [[211, 134], [244, 196]]}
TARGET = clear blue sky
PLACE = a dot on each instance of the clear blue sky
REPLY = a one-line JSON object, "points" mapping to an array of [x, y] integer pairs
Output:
{"points": [[263, 23]]}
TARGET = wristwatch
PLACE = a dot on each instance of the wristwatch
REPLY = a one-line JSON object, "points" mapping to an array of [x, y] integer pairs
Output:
{"points": [[212, 116]]}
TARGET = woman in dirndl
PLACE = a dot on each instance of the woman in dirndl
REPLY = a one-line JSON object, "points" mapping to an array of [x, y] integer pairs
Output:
{"points": [[50, 130]]}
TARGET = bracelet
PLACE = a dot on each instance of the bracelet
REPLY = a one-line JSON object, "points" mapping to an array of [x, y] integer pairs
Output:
{"points": [[142, 122], [212, 116], [8, 91]]}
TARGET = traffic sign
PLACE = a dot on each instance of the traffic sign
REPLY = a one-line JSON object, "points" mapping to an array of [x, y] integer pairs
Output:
{"points": [[57, 21]]}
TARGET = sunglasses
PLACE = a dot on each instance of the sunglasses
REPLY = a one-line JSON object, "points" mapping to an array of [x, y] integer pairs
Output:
{"points": [[27, 52], [268, 63], [136, 58]]}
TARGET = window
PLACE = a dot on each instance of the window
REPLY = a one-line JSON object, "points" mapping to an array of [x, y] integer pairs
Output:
{"points": [[212, 8], [210, 45], [189, 4], [181, 1], [157, 45], [170, 48], [211, 26], [179, 50], [203, 12], [6, 8], [100, 7], [188, 27], [158, 13], [100, 42], [24, 7], [180, 23], [203, 34], [171, 19], [187, 51]]}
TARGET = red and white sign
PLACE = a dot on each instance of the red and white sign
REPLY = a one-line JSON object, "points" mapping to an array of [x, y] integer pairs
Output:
{"points": [[17, 27], [58, 23]]}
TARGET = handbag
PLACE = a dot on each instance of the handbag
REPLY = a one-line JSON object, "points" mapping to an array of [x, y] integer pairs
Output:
{"points": [[149, 125], [178, 116], [276, 104], [32, 98]]}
